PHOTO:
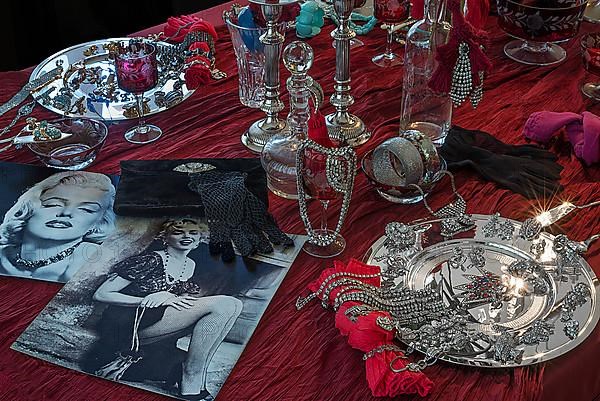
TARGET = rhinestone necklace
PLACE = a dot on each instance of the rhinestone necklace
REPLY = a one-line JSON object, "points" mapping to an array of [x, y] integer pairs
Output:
{"points": [[168, 277], [36, 264]]}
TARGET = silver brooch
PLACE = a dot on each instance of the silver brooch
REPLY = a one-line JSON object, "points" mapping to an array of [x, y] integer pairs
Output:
{"points": [[494, 228], [193, 168]]}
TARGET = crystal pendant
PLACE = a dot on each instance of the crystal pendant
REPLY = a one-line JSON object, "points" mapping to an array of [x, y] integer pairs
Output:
{"points": [[279, 153]]}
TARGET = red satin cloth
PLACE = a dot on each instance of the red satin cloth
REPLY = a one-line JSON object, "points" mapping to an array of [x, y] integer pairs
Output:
{"points": [[300, 355]]}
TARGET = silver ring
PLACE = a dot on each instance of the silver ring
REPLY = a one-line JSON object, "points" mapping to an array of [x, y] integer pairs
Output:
{"points": [[397, 162], [428, 151]]}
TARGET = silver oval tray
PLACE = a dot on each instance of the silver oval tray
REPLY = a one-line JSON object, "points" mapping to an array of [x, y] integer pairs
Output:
{"points": [[93, 92], [428, 264]]}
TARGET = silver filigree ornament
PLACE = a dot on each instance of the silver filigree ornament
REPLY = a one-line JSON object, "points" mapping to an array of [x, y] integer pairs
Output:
{"points": [[453, 216], [340, 169], [500, 229], [534, 278], [575, 298], [505, 348], [458, 259], [539, 332], [530, 229], [567, 253], [538, 248]]}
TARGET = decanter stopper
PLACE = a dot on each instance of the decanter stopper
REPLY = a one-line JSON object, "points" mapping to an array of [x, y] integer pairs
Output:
{"points": [[298, 59]]}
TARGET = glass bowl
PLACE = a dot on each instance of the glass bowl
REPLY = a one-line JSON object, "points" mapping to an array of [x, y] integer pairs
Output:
{"points": [[404, 195], [538, 25], [77, 151]]}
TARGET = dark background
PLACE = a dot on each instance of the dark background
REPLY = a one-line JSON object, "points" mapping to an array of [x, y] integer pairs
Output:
{"points": [[32, 30]]}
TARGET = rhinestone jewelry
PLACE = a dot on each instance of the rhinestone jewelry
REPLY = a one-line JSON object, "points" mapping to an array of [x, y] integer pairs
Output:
{"points": [[301, 302], [505, 348], [382, 348], [494, 228], [462, 81], [567, 253], [539, 332], [340, 171], [537, 248], [530, 229], [571, 329], [458, 259], [481, 289], [32, 86], [400, 235], [533, 275], [574, 299], [32, 265], [454, 219]]}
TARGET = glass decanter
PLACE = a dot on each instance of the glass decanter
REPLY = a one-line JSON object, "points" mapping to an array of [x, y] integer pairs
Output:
{"points": [[279, 153], [422, 108]]}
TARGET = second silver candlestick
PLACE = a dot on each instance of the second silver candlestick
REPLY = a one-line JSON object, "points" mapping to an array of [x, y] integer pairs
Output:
{"points": [[343, 126]]}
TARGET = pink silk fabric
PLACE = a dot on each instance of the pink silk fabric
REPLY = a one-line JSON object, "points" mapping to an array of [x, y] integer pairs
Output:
{"points": [[301, 355]]}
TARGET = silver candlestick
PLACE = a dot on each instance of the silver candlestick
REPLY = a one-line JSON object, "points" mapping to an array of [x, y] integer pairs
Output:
{"points": [[342, 125], [260, 131]]}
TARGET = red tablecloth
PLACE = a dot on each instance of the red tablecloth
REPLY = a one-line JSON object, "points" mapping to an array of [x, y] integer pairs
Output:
{"points": [[299, 355]]}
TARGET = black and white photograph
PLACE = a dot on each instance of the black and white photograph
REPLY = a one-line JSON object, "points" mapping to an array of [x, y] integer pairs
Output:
{"points": [[156, 310], [53, 222]]}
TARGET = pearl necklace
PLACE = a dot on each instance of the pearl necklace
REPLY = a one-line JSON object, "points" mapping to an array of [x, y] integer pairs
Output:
{"points": [[168, 277]]}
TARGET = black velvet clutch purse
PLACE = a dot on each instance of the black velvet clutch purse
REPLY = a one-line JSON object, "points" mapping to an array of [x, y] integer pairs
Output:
{"points": [[157, 188]]}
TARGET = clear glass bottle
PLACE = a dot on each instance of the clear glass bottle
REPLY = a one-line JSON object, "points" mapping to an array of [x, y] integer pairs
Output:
{"points": [[423, 109], [279, 153]]}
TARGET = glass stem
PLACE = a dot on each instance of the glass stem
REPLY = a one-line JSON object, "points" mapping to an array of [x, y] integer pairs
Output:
{"points": [[390, 39], [324, 206], [140, 109]]}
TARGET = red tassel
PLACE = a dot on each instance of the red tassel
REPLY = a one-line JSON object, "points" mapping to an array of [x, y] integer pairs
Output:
{"points": [[477, 12], [317, 130], [383, 382], [364, 334]]}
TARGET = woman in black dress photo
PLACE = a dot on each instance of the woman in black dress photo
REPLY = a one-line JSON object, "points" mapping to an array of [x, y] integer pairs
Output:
{"points": [[161, 284]]}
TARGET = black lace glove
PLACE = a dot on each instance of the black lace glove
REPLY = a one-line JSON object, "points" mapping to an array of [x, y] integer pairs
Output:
{"points": [[235, 214], [222, 195], [527, 170]]}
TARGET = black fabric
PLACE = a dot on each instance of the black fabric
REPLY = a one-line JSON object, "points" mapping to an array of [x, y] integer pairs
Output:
{"points": [[525, 169], [150, 188]]}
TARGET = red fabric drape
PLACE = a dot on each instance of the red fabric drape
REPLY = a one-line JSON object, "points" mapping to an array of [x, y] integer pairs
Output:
{"points": [[300, 355]]}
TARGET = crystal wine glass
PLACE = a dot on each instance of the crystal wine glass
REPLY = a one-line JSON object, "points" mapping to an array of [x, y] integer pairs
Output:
{"points": [[390, 12], [537, 26], [590, 49], [325, 174], [137, 72]]}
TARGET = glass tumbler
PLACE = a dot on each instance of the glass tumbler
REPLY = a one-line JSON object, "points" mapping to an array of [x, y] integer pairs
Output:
{"points": [[250, 56]]}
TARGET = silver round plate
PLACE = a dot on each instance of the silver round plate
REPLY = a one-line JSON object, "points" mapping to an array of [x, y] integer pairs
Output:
{"points": [[428, 265], [94, 55]]}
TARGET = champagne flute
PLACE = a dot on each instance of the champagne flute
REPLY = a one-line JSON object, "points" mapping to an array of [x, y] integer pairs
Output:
{"points": [[137, 72], [317, 186], [390, 12]]}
